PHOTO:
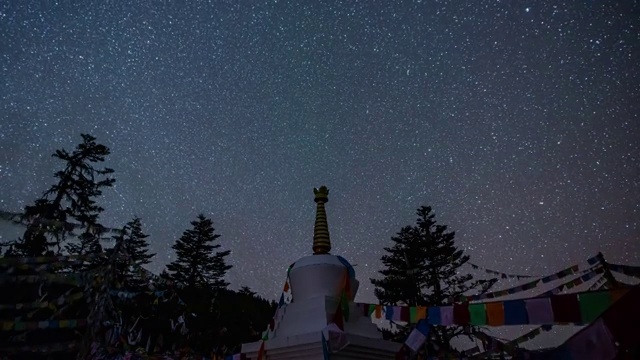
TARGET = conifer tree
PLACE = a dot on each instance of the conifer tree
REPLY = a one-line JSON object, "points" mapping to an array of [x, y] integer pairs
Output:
{"points": [[136, 248], [198, 265], [200, 270], [422, 268], [72, 198]]}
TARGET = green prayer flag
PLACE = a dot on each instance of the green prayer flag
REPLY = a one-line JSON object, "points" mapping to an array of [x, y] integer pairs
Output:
{"points": [[592, 304], [478, 314], [372, 308], [413, 315]]}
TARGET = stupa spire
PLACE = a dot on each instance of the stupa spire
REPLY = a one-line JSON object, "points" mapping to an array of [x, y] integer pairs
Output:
{"points": [[321, 241]]}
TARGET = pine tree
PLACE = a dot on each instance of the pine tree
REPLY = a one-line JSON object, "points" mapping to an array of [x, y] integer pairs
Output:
{"points": [[422, 268], [69, 204], [71, 198], [136, 247], [198, 265], [201, 269], [130, 253]]}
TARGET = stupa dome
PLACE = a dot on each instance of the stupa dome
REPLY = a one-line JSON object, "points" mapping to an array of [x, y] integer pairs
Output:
{"points": [[321, 275]]}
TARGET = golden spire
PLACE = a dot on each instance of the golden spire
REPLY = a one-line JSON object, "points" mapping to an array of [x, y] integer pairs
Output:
{"points": [[321, 242]]}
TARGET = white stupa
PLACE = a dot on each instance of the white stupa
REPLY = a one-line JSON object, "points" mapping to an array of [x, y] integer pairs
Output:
{"points": [[317, 284]]}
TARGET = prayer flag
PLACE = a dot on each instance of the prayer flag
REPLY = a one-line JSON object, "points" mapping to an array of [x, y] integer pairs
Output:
{"points": [[372, 309], [388, 312], [261, 351], [413, 315], [336, 338], [418, 336], [515, 312], [566, 308], [593, 343], [446, 315], [417, 313], [397, 313], [461, 313], [539, 311], [404, 314], [434, 316], [495, 313], [592, 304], [477, 314], [421, 312]]}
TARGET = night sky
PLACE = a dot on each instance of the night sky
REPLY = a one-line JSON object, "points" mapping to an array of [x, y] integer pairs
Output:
{"points": [[517, 121]]}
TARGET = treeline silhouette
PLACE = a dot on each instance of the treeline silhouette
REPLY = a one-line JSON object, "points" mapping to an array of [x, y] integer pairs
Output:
{"points": [[63, 294]]}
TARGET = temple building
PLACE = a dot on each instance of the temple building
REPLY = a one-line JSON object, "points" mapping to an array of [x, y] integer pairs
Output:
{"points": [[322, 317]]}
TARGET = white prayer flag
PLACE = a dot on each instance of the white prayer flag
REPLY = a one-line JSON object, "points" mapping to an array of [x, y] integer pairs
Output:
{"points": [[415, 340]]}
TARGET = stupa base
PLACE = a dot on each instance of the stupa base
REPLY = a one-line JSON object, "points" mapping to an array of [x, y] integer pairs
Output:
{"points": [[309, 347]]}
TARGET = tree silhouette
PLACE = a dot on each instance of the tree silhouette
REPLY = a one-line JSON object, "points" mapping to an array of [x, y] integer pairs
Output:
{"points": [[136, 248], [197, 263], [72, 198], [422, 268]]}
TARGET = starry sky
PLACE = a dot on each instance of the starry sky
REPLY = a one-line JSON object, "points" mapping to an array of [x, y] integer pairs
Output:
{"points": [[517, 121]]}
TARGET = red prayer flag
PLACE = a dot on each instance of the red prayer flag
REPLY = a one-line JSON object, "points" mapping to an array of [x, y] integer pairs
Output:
{"points": [[261, 351], [461, 315], [566, 308], [404, 314]]}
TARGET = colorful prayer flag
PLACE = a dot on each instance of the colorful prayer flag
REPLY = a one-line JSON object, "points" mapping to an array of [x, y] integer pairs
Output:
{"points": [[539, 311], [477, 314], [566, 308], [515, 312], [593, 304], [495, 313], [461, 313]]}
